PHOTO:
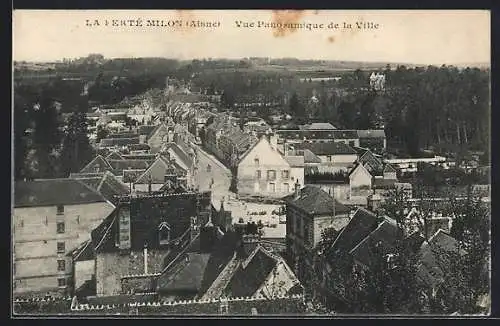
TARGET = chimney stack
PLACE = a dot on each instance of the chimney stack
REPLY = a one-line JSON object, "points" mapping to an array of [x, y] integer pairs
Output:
{"points": [[297, 189], [145, 258]]}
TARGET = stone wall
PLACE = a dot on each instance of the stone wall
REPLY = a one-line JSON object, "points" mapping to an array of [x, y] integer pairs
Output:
{"points": [[111, 267]]}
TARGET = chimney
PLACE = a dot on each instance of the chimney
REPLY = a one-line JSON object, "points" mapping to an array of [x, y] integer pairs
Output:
{"points": [[145, 258], [297, 189], [149, 184]]}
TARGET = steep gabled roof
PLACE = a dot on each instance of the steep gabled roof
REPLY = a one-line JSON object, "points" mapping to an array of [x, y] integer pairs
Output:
{"points": [[310, 157], [186, 276], [345, 134], [114, 155], [252, 273], [98, 161], [384, 237], [120, 165], [316, 201], [361, 225], [433, 257], [52, 192], [160, 162], [388, 168]]}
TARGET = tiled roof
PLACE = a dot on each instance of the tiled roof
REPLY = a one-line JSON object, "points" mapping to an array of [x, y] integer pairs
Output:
{"points": [[345, 134], [110, 142], [319, 126], [295, 161], [186, 278], [52, 192], [315, 201], [100, 162], [330, 148], [111, 186], [221, 255], [139, 147], [433, 258], [360, 226], [85, 251], [388, 168], [385, 237], [378, 133], [248, 279], [185, 158], [132, 175], [310, 157], [146, 157], [120, 165]]}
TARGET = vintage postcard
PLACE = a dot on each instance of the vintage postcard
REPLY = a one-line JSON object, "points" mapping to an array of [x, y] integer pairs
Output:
{"points": [[251, 162]]}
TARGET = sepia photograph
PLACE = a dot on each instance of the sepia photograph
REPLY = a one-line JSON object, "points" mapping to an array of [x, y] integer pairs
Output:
{"points": [[307, 163]]}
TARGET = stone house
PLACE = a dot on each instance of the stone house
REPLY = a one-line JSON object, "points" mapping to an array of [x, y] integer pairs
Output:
{"points": [[263, 171], [51, 217], [310, 211]]}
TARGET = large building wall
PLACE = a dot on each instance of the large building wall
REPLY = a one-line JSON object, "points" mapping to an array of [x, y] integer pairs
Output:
{"points": [[36, 237], [268, 160], [111, 267]]}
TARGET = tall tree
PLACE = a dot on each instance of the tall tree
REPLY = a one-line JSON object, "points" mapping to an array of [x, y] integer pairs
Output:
{"points": [[46, 136], [76, 149]]}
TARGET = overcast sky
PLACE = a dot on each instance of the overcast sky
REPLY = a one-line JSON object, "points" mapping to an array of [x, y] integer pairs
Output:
{"points": [[424, 37]]}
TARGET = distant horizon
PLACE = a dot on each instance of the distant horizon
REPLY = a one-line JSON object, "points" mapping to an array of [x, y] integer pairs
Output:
{"points": [[449, 37], [458, 64]]}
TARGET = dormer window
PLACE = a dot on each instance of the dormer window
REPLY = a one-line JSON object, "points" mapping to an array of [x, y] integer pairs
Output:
{"points": [[164, 233], [96, 168], [256, 161]]}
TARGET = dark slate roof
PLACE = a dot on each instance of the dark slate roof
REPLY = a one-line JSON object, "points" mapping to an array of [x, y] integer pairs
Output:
{"points": [[52, 192], [315, 201], [433, 257], [187, 276], [111, 187], [295, 161], [360, 225], [219, 258], [124, 135], [110, 142], [385, 237], [85, 251], [147, 157], [98, 161], [345, 134], [372, 163], [93, 182], [330, 148], [415, 241], [139, 147], [248, 279]]}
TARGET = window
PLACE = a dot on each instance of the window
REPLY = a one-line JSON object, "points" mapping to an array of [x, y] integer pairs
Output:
{"points": [[272, 187], [61, 248], [60, 209], [258, 176], [256, 161], [164, 233], [329, 158], [271, 175], [60, 227], [286, 188], [61, 282], [61, 265], [285, 174], [351, 143]]}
